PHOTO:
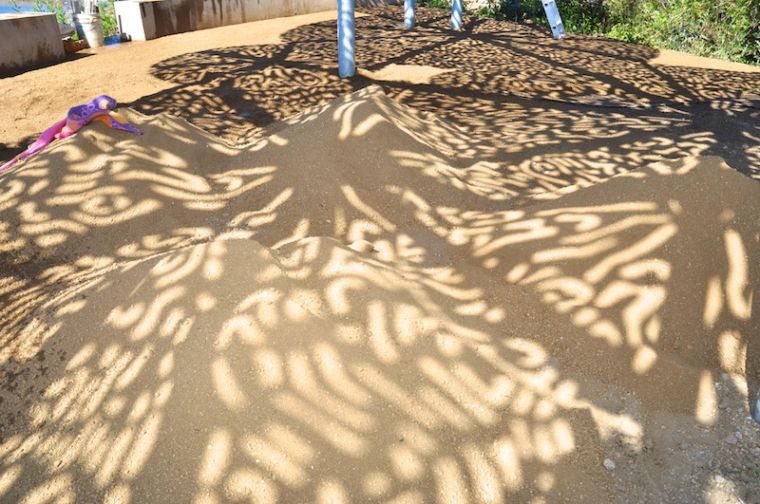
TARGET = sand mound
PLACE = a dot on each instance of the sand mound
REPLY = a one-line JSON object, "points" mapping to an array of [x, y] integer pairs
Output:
{"points": [[353, 309], [281, 381]]}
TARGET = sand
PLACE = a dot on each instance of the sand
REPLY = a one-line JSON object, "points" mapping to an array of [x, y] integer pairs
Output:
{"points": [[339, 312], [371, 302], [32, 101]]}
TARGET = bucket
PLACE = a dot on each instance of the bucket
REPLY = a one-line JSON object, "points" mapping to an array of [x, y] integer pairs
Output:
{"points": [[89, 28]]}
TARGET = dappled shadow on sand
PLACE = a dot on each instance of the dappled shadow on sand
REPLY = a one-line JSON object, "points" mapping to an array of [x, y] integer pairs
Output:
{"points": [[574, 110], [347, 311]]}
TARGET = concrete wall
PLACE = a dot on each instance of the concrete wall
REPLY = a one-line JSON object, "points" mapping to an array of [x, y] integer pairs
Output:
{"points": [[148, 19], [28, 41]]}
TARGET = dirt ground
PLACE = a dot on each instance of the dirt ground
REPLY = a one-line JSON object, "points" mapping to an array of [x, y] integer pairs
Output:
{"points": [[491, 267]]}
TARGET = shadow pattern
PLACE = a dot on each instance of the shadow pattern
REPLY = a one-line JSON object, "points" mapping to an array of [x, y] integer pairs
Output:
{"points": [[565, 106], [356, 307]]}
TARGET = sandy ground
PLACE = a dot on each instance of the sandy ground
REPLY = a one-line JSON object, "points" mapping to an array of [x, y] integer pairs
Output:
{"points": [[467, 284], [678, 58], [32, 101]]}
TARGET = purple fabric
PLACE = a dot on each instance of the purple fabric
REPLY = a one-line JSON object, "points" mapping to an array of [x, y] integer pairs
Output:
{"points": [[77, 118]]}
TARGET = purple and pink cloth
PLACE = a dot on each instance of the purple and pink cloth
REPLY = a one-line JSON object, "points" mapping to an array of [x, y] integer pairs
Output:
{"points": [[100, 109]]}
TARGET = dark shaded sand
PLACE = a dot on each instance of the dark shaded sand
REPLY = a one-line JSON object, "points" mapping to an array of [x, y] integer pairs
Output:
{"points": [[358, 308]]}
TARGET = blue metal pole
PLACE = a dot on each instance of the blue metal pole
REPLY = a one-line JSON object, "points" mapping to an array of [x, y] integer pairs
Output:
{"points": [[346, 39], [409, 14], [456, 15]]}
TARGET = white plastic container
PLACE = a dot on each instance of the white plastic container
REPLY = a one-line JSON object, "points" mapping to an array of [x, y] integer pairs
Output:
{"points": [[89, 27]]}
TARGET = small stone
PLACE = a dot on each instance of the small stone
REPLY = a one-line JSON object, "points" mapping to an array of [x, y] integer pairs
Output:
{"points": [[731, 439], [720, 479], [609, 464], [738, 435]]}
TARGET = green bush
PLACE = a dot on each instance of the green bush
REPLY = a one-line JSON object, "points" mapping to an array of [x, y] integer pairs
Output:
{"points": [[108, 18], [437, 4], [107, 14], [54, 6], [727, 29], [579, 16]]}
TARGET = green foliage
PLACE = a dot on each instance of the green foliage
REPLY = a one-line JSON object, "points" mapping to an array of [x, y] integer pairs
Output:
{"points": [[436, 4], [54, 6], [108, 18], [580, 16], [107, 13], [727, 29]]}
